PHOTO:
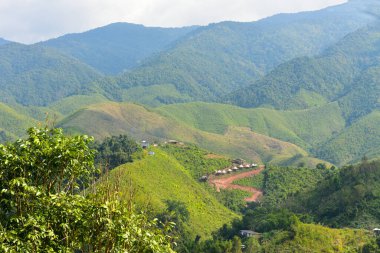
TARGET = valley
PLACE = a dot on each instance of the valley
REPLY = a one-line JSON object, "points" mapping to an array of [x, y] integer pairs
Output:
{"points": [[231, 137]]}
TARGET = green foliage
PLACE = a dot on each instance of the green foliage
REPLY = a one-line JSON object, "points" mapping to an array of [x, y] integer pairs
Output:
{"points": [[197, 161], [36, 75], [155, 180], [281, 183], [349, 197], [256, 181], [214, 60], [144, 123], [41, 210], [116, 150], [233, 199]]}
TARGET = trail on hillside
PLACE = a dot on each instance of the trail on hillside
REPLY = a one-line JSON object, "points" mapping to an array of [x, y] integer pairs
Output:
{"points": [[227, 183]]}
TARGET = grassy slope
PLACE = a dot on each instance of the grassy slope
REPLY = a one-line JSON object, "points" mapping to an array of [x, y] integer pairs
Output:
{"points": [[161, 177], [306, 128], [13, 123], [112, 118], [69, 105], [316, 238]]}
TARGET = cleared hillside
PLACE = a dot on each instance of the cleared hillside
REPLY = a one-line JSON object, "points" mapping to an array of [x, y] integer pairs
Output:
{"points": [[12, 123], [112, 119], [161, 177], [306, 128]]}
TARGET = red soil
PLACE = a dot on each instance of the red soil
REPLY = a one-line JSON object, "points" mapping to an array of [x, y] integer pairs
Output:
{"points": [[227, 183]]}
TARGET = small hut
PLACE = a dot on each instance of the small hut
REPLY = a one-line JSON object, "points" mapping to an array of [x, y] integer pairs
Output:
{"points": [[144, 144], [249, 233]]}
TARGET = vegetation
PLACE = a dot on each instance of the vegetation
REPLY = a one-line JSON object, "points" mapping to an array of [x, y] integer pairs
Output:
{"points": [[117, 47], [44, 74], [197, 161], [117, 150], [143, 123], [43, 211], [349, 197], [159, 178], [256, 181]]}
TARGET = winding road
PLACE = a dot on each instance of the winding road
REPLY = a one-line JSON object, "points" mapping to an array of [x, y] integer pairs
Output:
{"points": [[227, 183]]}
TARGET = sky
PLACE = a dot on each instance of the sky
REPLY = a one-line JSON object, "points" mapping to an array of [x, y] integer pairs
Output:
{"points": [[30, 21]]}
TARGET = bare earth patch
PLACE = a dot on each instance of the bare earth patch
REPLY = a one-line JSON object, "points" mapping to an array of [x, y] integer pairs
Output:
{"points": [[227, 183]]}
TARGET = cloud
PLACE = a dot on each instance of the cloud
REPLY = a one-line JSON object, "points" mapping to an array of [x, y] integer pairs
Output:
{"points": [[35, 20]]}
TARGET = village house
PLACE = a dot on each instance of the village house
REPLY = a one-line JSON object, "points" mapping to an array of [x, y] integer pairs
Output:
{"points": [[249, 233]]}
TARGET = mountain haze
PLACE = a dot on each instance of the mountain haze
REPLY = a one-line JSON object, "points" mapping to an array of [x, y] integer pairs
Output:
{"points": [[36, 75], [117, 47]]}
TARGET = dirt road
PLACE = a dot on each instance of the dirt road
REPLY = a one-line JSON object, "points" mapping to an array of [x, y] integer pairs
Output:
{"points": [[227, 183]]}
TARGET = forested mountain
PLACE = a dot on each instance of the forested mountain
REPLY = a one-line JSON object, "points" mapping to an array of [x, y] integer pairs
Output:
{"points": [[36, 75], [346, 72], [223, 57], [117, 47]]}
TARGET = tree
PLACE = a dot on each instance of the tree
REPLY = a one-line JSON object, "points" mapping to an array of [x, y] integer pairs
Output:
{"points": [[236, 245], [253, 245], [116, 150], [43, 210]]}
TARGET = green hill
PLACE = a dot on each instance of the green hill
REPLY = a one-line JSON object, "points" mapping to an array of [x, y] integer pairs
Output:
{"points": [[112, 119], [316, 238], [347, 72], [161, 177], [306, 128], [117, 47], [36, 75], [12, 123]]}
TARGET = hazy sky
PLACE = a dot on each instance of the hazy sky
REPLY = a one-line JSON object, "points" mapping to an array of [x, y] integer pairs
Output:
{"points": [[30, 21]]}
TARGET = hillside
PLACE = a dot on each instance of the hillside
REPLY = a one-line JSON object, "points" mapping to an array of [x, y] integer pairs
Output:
{"points": [[117, 47], [214, 60], [305, 128], [320, 239], [160, 178], [13, 124], [112, 119], [350, 198], [347, 72], [35, 75]]}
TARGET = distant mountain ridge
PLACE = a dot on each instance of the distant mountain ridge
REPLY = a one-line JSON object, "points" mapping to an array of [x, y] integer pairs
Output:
{"points": [[117, 47], [36, 75], [3, 41], [347, 72], [223, 57]]}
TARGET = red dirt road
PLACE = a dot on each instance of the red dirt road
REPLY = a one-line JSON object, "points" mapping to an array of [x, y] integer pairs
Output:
{"points": [[227, 183]]}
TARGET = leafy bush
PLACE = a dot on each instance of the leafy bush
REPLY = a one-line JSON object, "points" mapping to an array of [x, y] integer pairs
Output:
{"points": [[42, 210]]}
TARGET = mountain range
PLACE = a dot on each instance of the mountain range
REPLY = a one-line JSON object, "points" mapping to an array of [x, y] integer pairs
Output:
{"points": [[303, 87]]}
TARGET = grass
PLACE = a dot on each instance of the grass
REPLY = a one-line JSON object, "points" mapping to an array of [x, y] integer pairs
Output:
{"points": [[306, 128], [13, 123], [111, 118], [256, 181], [69, 105], [317, 238], [161, 177]]}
